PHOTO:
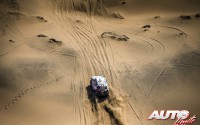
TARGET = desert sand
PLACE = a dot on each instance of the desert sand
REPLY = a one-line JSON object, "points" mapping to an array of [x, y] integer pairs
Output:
{"points": [[49, 49]]}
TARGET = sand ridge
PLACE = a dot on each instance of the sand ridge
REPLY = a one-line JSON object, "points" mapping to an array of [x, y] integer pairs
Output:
{"points": [[49, 50]]}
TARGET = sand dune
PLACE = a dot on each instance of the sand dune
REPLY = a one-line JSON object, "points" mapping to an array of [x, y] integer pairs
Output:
{"points": [[49, 50]]}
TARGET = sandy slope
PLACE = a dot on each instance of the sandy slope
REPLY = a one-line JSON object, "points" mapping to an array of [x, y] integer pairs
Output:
{"points": [[46, 83]]}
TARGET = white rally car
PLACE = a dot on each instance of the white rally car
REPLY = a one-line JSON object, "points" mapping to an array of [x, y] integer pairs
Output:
{"points": [[99, 85]]}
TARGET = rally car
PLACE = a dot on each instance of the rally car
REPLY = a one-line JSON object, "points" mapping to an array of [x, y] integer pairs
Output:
{"points": [[99, 86]]}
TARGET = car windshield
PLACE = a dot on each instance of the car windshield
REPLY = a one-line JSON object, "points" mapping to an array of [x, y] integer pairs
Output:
{"points": [[102, 88]]}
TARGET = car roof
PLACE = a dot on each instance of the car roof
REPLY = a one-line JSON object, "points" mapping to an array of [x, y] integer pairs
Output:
{"points": [[101, 81]]}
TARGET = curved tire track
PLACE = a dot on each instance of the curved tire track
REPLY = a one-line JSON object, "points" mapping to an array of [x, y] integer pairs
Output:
{"points": [[22, 93]]}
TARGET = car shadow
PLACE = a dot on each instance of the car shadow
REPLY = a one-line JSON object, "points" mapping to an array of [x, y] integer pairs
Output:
{"points": [[92, 99], [101, 99]]}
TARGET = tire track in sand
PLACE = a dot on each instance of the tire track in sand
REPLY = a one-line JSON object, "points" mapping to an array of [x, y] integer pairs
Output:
{"points": [[25, 91], [91, 66]]}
